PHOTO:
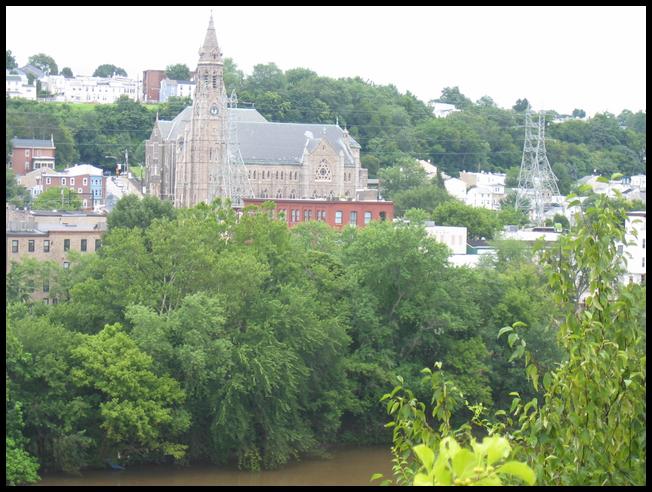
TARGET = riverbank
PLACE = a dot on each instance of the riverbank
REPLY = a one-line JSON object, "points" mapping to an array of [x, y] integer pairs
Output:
{"points": [[351, 466]]}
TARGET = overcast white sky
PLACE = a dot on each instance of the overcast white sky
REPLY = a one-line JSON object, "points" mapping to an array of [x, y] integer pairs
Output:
{"points": [[559, 58]]}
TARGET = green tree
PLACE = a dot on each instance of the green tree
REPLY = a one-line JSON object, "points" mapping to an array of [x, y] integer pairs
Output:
{"points": [[578, 113], [15, 193], [45, 63], [57, 198], [67, 72], [479, 222], [108, 70], [10, 61], [173, 106], [56, 418], [403, 176], [233, 77], [521, 105], [178, 71], [140, 412], [592, 415], [20, 466], [452, 95], [132, 211], [426, 197]]}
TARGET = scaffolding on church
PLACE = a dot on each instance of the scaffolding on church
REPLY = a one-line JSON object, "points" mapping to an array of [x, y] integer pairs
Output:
{"points": [[230, 180]]}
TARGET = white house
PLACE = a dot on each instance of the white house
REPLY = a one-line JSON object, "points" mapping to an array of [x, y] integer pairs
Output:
{"points": [[90, 89], [441, 110], [456, 188], [177, 88], [431, 171], [638, 181], [453, 237], [17, 85]]}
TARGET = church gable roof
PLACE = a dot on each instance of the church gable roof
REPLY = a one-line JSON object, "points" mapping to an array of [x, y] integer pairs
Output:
{"points": [[265, 142], [285, 143]]}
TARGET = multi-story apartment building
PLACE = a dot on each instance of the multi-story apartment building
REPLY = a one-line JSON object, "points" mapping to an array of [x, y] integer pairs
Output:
{"points": [[337, 214], [85, 180], [152, 85], [90, 89], [176, 88], [50, 236], [28, 154], [485, 190]]}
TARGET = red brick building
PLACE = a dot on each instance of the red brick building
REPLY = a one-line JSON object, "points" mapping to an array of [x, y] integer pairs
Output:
{"points": [[85, 180], [152, 85], [30, 154], [337, 214]]}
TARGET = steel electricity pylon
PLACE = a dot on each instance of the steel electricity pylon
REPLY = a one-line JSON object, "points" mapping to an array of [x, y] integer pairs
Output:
{"points": [[537, 184]]}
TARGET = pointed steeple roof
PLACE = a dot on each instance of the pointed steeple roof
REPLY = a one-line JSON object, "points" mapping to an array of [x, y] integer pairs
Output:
{"points": [[210, 51]]}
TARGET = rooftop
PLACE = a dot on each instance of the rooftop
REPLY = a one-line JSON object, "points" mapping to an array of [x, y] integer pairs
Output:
{"points": [[31, 142]]}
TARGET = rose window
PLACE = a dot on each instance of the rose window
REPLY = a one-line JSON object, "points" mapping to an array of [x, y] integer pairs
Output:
{"points": [[323, 172]]}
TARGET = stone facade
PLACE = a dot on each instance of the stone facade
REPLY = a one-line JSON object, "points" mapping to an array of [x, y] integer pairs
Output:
{"points": [[281, 160]]}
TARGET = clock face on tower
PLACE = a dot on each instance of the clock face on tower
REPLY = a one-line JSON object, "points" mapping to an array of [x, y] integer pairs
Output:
{"points": [[214, 110]]}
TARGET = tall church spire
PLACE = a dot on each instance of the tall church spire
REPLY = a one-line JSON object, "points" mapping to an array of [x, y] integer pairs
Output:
{"points": [[210, 51]]}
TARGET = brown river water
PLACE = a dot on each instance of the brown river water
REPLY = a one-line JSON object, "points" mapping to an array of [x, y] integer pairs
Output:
{"points": [[352, 466]]}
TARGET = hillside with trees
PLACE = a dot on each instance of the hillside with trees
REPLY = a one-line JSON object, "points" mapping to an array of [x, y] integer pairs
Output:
{"points": [[390, 126]]}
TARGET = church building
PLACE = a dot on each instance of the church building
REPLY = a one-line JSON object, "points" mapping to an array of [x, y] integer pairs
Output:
{"points": [[194, 157]]}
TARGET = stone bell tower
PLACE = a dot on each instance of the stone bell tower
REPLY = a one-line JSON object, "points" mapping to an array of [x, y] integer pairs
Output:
{"points": [[205, 149]]}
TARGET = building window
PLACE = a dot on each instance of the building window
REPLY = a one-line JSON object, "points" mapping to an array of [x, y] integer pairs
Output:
{"points": [[14, 245], [85, 181], [307, 214], [46, 301], [644, 262], [353, 218], [66, 264], [72, 181], [367, 217], [48, 180], [85, 203], [30, 245], [26, 152], [620, 249], [382, 216], [63, 181], [84, 243], [643, 243], [46, 285], [323, 171], [46, 245], [66, 244], [338, 217], [293, 194]]}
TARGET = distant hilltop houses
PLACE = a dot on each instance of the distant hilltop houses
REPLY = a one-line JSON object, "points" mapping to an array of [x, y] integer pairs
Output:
{"points": [[154, 87]]}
